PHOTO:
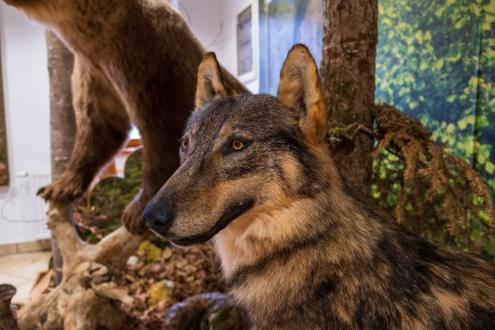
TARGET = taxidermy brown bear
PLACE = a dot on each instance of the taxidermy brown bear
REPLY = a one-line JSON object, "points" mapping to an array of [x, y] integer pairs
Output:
{"points": [[135, 61]]}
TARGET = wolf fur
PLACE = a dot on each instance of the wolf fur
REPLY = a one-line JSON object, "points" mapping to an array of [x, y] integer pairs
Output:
{"points": [[135, 61], [298, 250]]}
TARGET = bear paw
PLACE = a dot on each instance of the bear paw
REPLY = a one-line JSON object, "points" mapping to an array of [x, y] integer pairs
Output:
{"points": [[132, 216], [66, 188]]}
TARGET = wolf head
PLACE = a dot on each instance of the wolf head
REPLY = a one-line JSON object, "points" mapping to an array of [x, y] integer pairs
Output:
{"points": [[243, 154]]}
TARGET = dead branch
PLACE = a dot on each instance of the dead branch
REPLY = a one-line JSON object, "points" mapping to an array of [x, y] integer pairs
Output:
{"points": [[86, 298], [63, 231], [111, 291], [114, 249], [438, 190], [7, 320]]}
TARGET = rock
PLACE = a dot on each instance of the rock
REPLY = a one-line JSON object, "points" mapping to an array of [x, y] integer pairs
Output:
{"points": [[132, 262]]}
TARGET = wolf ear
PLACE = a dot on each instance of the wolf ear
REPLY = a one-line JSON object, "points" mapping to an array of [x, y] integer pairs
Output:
{"points": [[210, 82], [300, 90]]}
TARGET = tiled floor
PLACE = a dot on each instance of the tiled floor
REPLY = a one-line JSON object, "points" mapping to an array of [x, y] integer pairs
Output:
{"points": [[21, 270]]}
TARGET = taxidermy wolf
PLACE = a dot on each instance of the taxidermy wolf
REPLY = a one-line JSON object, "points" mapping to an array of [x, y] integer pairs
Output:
{"points": [[298, 250], [135, 60]]}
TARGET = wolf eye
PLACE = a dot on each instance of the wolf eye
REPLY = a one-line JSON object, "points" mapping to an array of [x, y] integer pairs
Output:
{"points": [[237, 145], [234, 145]]}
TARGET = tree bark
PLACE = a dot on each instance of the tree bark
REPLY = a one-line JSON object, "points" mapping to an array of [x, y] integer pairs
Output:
{"points": [[348, 77], [4, 162], [63, 122]]}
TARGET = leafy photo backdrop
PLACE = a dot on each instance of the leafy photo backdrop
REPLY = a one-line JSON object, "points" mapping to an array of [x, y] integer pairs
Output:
{"points": [[435, 61]]}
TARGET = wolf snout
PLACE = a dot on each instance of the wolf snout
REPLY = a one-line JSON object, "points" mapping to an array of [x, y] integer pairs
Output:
{"points": [[159, 216]]}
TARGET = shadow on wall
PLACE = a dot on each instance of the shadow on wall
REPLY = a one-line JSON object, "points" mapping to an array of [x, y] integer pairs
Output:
{"points": [[21, 208]]}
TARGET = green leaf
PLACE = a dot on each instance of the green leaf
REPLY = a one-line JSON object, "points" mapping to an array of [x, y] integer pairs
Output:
{"points": [[439, 64], [480, 158], [473, 82], [428, 36], [419, 36], [439, 12], [490, 53], [404, 90], [454, 58], [490, 167], [460, 24], [476, 10]]}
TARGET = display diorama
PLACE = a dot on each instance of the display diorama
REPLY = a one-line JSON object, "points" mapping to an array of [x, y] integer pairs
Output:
{"points": [[281, 185]]}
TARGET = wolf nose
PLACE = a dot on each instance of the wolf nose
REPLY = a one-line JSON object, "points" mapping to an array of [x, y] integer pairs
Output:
{"points": [[159, 216]]}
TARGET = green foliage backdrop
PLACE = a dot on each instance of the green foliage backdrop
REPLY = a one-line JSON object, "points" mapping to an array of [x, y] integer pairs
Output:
{"points": [[435, 61]]}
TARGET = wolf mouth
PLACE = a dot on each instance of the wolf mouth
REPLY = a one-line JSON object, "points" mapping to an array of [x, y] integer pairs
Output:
{"points": [[230, 215]]}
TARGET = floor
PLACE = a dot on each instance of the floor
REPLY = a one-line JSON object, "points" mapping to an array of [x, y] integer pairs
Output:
{"points": [[21, 270]]}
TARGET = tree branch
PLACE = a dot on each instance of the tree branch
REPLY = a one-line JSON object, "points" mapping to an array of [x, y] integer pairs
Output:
{"points": [[64, 231], [115, 248]]}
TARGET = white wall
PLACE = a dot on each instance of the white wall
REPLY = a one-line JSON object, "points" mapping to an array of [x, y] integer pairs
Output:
{"points": [[214, 23], [26, 94]]}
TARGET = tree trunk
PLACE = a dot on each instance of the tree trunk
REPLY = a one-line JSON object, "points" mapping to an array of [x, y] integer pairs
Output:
{"points": [[63, 122], [4, 162], [348, 74]]}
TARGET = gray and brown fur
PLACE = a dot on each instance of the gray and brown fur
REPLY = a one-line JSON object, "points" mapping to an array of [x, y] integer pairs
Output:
{"points": [[298, 250], [136, 61]]}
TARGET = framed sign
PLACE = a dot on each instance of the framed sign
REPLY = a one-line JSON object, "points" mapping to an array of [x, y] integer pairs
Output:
{"points": [[245, 49], [4, 168]]}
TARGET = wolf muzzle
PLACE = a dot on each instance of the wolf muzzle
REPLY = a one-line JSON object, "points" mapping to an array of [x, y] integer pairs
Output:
{"points": [[159, 216]]}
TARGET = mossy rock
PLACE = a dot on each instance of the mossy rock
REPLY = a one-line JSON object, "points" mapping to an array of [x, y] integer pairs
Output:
{"points": [[111, 195]]}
